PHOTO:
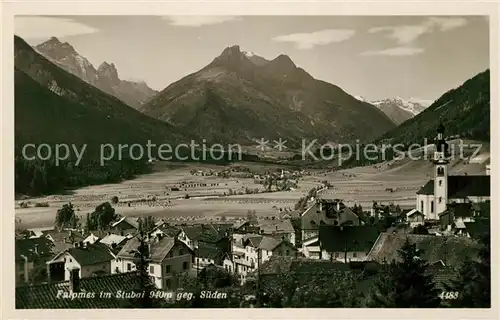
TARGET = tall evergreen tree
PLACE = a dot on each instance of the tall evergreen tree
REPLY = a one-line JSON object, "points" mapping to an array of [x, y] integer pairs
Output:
{"points": [[405, 283], [473, 281]]}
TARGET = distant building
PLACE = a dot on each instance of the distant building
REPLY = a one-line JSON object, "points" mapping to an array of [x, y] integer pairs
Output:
{"points": [[277, 228], [125, 226], [415, 218], [90, 260], [346, 243], [63, 239], [444, 189]]}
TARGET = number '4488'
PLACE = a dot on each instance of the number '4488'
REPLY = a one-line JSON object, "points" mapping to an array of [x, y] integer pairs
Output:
{"points": [[449, 295]]}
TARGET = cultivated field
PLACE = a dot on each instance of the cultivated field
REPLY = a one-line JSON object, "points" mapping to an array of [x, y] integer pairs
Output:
{"points": [[395, 182]]}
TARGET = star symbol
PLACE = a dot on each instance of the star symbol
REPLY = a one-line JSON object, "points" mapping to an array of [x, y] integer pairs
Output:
{"points": [[262, 144], [280, 144]]}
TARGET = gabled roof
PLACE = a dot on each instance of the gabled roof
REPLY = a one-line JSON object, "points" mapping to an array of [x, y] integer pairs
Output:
{"points": [[210, 251], [131, 221], [44, 296], [462, 186], [413, 212], [159, 249], [276, 226], [91, 254], [33, 248], [63, 239], [312, 218], [452, 250], [347, 238], [112, 238], [171, 231]]}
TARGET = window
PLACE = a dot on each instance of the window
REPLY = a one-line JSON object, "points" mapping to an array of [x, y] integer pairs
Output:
{"points": [[440, 199], [229, 268], [287, 252], [151, 269], [168, 283], [167, 269], [422, 206], [440, 182], [432, 206], [185, 265], [354, 254], [181, 252], [129, 267]]}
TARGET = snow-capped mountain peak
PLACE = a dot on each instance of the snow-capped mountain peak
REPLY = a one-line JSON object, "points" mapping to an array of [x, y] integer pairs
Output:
{"points": [[414, 106]]}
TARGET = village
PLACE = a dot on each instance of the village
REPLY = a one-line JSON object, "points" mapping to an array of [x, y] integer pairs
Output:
{"points": [[450, 215]]}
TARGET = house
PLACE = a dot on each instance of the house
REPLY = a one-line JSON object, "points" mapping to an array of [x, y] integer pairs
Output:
{"points": [[463, 212], [326, 212], [63, 239], [166, 230], [206, 254], [311, 248], [169, 260], [415, 218], [30, 254], [44, 296], [444, 189], [346, 243], [450, 249], [113, 240], [124, 226], [259, 249], [242, 266], [94, 236], [244, 227], [90, 259], [277, 228]]}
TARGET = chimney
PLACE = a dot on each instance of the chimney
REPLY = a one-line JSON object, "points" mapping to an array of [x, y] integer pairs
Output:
{"points": [[74, 280], [36, 248]]}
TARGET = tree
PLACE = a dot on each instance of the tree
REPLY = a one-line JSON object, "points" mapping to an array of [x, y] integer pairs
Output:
{"points": [[147, 224], [142, 282], [102, 216], [114, 200], [405, 283], [65, 217], [252, 216], [473, 281]]}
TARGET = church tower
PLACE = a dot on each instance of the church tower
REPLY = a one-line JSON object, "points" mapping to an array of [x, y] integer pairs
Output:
{"points": [[440, 175]]}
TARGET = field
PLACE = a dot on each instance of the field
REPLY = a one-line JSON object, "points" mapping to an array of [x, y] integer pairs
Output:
{"points": [[209, 198]]}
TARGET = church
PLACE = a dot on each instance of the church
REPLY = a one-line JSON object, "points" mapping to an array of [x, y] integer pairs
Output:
{"points": [[444, 189]]}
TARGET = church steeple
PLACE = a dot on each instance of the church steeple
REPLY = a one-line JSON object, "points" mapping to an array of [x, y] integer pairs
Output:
{"points": [[440, 174]]}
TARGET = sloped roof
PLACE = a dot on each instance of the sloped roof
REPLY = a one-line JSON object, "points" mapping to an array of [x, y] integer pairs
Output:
{"points": [[91, 254], [27, 247], [350, 238], [452, 250], [311, 218], [462, 186], [269, 243], [112, 238], [131, 221], [63, 239], [210, 251], [159, 249], [276, 226], [171, 231], [413, 212], [44, 296]]}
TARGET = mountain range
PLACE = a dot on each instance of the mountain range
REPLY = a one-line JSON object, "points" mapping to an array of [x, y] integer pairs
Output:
{"points": [[464, 111], [398, 109], [55, 106], [241, 97], [105, 77]]}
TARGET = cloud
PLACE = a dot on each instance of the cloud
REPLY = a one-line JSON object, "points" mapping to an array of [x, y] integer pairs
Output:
{"points": [[306, 41], [34, 27], [397, 51], [199, 20], [404, 34]]}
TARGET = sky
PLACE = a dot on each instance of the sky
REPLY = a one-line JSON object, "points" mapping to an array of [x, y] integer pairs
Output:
{"points": [[376, 57]]}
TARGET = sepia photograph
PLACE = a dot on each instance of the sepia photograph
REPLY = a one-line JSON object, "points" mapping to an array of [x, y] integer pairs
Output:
{"points": [[251, 161]]}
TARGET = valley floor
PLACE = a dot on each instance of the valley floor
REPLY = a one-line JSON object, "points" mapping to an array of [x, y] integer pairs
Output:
{"points": [[387, 182]]}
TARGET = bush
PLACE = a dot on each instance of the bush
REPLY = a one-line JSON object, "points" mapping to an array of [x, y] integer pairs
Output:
{"points": [[186, 196], [114, 200], [42, 204], [23, 205]]}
